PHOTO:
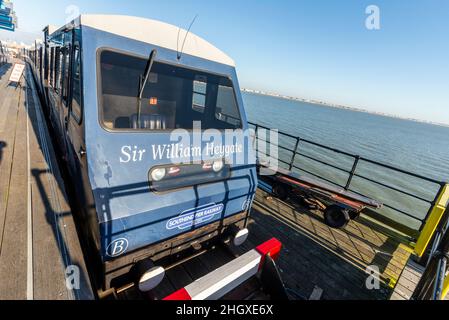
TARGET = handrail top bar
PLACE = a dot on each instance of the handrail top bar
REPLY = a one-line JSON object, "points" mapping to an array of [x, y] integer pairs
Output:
{"points": [[441, 183]]}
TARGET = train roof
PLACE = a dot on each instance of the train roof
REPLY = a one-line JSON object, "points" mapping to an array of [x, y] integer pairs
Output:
{"points": [[156, 33]]}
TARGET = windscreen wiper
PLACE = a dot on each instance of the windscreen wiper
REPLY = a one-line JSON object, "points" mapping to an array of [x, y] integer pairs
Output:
{"points": [[143, 79]]}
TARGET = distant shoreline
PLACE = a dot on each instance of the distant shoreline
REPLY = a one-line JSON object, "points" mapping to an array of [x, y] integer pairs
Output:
{"points": [[337, 106]]}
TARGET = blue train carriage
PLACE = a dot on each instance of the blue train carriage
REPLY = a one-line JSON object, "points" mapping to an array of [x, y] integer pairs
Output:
{"points": [[150, 120]]}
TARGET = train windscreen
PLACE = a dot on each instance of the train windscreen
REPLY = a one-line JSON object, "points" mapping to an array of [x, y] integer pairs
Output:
{"points": [[174, 97]]}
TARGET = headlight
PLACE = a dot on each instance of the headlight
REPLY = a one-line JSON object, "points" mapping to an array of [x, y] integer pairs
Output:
{"points": [[218, 165], [158, 174]]}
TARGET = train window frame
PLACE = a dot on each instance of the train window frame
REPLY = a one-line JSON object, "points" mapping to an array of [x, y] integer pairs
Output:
{"points": [[51, 66], [58, 73], [197, 93], [66, 75], [170, 63], [77, 118], [41, 64]]}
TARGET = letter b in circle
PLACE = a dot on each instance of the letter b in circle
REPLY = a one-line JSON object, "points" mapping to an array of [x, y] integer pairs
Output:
{"points": [[117, 247]]}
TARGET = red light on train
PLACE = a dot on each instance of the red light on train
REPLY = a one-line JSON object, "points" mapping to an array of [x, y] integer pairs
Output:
{"points": [[173, 171], [207, 166]]}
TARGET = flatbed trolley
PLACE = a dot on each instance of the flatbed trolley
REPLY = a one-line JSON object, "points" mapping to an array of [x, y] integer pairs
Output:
{"points": [[339, 205]]}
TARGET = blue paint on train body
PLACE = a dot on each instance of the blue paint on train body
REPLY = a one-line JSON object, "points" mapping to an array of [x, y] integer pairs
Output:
{"points": [[126, 207], [125, 210]]}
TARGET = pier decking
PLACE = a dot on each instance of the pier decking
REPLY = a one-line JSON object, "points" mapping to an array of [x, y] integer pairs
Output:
{"points": [[315, 255], [38, 238]]}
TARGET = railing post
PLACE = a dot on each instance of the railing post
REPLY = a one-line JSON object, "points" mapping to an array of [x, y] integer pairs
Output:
{"points": [[445, 287], [292, 162], [434, 202], [433, 284], [433, 221], [439, 278], [255, 141], [351, 175]]}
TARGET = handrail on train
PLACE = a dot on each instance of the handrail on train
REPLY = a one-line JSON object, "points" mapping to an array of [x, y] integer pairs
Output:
{"points": [[429, 224]]}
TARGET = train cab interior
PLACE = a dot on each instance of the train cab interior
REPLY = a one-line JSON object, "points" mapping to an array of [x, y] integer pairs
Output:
{"points": [[174, 97]]}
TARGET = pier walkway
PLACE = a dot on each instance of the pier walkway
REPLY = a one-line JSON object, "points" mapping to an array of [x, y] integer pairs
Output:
{"points": [[340, 262], [39, 245]]}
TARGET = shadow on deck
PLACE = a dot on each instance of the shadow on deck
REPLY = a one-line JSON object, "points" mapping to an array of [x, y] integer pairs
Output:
{"points": [[316, 255]]}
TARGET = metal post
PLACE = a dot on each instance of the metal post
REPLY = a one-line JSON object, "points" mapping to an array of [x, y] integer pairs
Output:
{"points": [[445, 287], [439, 279], [351, 175], [256, 144], [435, 221], [434, 273], [435, 200], [292, 162]]}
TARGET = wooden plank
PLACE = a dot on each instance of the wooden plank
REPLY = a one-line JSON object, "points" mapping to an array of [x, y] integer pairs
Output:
{"points": [[164, 289], [39, 239], [404, 292], [56, 247], [195, 268], [303, 261], [7, 142], [13, 256], [356, 248], [178, 277], [408, 281], [336, 247], [316, 224], [48, 252]]}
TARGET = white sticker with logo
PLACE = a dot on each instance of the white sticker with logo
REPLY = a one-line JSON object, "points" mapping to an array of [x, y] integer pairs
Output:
{"points": [[193, 217], [117, 247]]}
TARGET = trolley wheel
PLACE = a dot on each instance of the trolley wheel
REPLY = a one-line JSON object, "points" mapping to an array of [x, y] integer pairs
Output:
{"points": [[336, 217], [281, 191]]}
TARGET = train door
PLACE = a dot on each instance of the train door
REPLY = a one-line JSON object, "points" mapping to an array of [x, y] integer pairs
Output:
{"points": [[56, 98], [75, 129], [65, 90]]}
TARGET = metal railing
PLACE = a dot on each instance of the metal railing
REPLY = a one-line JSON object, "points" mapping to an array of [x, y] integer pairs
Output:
{"points": [[297, 152], [434, 283]]}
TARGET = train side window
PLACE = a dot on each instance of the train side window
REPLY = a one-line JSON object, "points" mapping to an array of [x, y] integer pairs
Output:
{"points": [[51, 66], [41, 57], [37, 59], [227, 110], [66, 74], [199, 96], [76, 88], [58, 70], [174, 97]]}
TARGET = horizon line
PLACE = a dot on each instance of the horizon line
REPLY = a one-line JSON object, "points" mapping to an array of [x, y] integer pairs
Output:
{"points": [[340, 106]]}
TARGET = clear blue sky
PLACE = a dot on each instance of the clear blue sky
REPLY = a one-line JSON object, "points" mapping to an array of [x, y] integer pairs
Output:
{"points": [[312, 49]]}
